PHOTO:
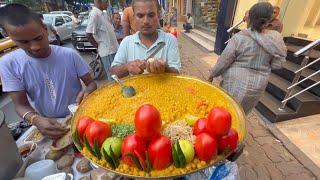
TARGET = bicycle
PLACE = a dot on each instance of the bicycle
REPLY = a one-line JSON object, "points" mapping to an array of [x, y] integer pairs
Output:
{"points": [[96, 66]]}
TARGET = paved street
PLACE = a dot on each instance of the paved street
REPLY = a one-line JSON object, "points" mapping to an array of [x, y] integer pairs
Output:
{"points": [[264, 156]]}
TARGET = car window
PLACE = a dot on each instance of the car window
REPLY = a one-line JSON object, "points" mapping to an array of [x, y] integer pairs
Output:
{"points": [[68, 19], [48, 19], [59, 19]]}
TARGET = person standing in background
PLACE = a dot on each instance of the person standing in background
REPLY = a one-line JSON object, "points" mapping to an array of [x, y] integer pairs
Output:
{"points": [[246, 62], [100, 34], [117, 26], [174, 17], [128, 22], [275, 23]]}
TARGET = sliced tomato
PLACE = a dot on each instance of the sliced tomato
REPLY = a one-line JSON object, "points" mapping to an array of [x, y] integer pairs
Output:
{"points": [[200, 126], [82, 124]]}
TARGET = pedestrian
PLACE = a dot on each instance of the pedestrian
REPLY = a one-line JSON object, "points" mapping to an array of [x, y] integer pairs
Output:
{"points": [[46, 76], [162, 17], [117, 27], [128, 21], [246, 63], [275, 23], [190, 23], [174, 17], [167, 27], [134, 49], [101, 35], [75, 18], [53, 35]]}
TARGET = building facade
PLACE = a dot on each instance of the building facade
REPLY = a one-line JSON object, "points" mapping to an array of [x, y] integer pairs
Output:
{"points": [[299, 18], [204, 12]]}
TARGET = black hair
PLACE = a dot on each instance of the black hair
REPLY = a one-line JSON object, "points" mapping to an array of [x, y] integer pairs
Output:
{"points": [[17, 15], [156, 1], [259, 15]]}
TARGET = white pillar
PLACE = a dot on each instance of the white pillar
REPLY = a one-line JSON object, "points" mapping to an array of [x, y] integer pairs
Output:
{"points": [[189, 6]]}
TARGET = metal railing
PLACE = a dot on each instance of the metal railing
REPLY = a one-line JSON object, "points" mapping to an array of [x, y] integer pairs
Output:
{"points": [[304, 65], [230, 30]]}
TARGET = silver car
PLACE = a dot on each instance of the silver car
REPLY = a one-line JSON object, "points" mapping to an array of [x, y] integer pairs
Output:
{"points": [[62, 23]]}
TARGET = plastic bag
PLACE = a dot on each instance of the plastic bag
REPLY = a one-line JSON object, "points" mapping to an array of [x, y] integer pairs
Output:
{"points": [[226, 171]]}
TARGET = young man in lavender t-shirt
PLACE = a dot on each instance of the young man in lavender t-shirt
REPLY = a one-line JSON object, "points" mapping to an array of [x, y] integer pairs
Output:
{"points": [[49, 75]]}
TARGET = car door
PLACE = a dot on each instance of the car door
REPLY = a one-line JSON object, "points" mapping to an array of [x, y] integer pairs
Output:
{"points": [[61, 27], [70, 26]]}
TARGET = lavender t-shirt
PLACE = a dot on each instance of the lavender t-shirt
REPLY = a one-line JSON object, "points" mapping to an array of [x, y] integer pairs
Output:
{"points": [[51, 83]]}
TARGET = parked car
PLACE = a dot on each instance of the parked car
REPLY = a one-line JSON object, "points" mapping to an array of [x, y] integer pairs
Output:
{"points": [[62, 23], [79, 38], [6, 46], [69, 13]]}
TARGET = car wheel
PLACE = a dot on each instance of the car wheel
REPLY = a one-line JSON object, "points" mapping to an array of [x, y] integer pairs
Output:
{"points": [[96, 68]]}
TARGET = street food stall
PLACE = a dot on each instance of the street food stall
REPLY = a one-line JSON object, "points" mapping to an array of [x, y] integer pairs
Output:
{"points": [[172, 126]]}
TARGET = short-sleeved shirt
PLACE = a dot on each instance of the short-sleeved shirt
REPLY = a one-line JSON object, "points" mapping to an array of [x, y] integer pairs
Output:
{"points": [[128, 17], [103, 32], [118, 33], [132, 49], [51, 83]]}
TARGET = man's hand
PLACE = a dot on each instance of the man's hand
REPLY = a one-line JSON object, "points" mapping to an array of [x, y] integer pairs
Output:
{"points": [[156, 66], [81, 96], [136, 67], [50, 127]]}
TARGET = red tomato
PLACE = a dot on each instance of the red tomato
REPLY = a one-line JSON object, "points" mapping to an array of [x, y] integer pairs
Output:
{"points": [[135, 145], [206, 147], [141, 160], [147, 122], [98, 131], [199, 126], [82, 124], [160, 152], [229, 141], [219, 122]]}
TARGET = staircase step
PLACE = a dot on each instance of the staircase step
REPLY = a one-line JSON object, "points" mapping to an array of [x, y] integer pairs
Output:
{"points": [[277, 87], [314, 54], [298, 41], [298, 60], [269, 106], [204, 36], [287, 72], [205, 45]]}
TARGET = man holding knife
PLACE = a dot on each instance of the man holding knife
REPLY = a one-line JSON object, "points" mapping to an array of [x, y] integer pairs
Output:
{"points": [[149, 42]]}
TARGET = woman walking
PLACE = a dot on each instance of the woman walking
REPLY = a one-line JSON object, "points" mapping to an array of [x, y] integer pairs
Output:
{"points": [[246, 63]]}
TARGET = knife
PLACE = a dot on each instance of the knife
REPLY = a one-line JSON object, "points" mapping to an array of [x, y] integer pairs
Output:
{"points": [[158, 48]]}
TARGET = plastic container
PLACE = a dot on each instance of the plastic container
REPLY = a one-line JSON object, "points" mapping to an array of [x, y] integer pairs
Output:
{"points": [[40, 169]]}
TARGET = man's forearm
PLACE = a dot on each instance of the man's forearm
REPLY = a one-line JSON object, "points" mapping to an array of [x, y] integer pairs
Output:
{"points": [[120, 70], [92, 40], [92, 86]]}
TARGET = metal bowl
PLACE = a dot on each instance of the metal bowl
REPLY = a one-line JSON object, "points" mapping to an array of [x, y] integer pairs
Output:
{"points": [[237, 114]]}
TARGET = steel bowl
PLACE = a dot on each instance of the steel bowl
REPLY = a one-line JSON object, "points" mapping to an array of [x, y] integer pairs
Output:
{"points": [[238, 114]]}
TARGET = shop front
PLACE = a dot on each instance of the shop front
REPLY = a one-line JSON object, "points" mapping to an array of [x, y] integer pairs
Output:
{"points": [[204, 12]]}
